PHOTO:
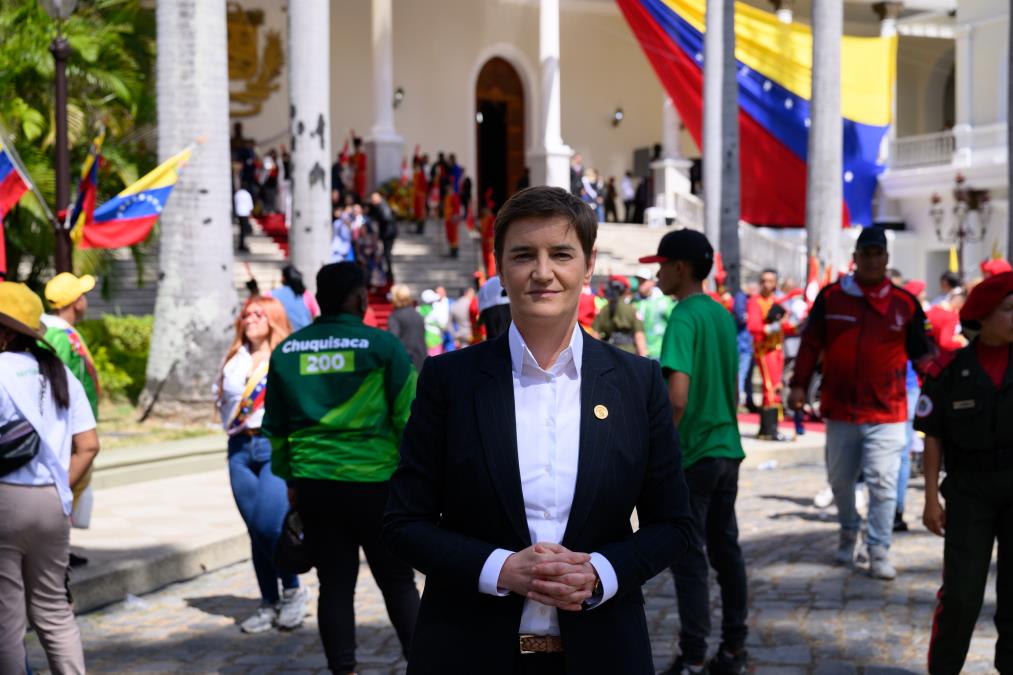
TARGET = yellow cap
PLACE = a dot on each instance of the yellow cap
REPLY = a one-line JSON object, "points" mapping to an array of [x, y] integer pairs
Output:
{"points": [[65, 288], [20, 309]]}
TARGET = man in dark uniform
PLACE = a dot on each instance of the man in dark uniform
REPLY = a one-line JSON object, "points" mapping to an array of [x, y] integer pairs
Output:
{"points": [[964, 411]]}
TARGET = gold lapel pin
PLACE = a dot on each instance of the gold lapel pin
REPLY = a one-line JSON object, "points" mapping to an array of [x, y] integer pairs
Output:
{"points": [[601, 412]]}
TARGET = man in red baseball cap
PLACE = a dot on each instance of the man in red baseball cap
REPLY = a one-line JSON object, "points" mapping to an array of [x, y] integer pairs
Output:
{"points": [[964, 411]]}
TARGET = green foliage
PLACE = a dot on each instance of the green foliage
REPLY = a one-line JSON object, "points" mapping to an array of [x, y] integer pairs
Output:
{"points": [[109, 81], [120, 346]]}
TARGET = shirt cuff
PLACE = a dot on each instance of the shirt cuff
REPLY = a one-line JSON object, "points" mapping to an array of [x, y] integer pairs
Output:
{"points": [[607, 575], [488, 580]]}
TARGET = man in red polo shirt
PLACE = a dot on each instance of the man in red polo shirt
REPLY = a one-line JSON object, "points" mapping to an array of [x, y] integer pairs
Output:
{"points": [[866, 329]]}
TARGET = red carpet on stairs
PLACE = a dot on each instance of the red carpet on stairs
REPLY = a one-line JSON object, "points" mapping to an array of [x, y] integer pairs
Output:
{"points": [[786, 423], [380, 306], [273, 225]]}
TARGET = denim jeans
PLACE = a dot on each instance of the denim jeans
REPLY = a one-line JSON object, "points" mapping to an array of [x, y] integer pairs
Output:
{"points": [[745, 360], [872, 451], [262, 499], [713, 486], [905, 457]]}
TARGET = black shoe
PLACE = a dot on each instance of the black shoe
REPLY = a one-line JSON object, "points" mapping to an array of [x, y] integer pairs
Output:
{"points": [[727, 663], [898, 523], [681, 668], [77, 561]]}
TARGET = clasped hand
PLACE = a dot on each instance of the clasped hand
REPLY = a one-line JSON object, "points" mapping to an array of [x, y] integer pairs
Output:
{"points": [[550, 574]]}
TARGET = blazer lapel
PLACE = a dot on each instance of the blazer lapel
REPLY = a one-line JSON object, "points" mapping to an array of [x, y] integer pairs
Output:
{"points": [[494, 408], [595, 433]]}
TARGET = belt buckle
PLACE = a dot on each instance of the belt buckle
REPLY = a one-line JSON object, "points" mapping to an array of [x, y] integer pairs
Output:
{"points": [[520, 644]]}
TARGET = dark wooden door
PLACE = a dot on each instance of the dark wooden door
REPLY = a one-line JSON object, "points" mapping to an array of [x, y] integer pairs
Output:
{"points": [[499, 130]]}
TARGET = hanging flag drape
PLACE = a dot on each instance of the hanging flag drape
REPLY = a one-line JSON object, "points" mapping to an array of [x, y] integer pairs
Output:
{"points": [[127, 218], [774, 73], [83, 212]]}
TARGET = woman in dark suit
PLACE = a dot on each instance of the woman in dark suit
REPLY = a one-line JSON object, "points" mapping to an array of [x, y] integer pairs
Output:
{"points": [[521, 465]]}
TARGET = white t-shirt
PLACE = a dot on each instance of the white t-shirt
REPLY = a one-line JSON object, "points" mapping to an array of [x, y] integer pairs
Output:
{"points": [[20, 387], [243, 203], [234, 377]]}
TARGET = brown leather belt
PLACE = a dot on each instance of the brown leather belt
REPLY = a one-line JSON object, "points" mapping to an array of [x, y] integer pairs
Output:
{"points": [[541, 644], [250, 432]]}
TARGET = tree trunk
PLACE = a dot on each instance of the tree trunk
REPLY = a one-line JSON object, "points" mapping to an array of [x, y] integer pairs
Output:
{"points": [[196, 302], [309, 88], [825, 165]]}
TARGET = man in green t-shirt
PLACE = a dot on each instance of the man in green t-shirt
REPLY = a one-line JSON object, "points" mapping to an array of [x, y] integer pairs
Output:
{"points": [[699, 357], [338, 397], [654, 308]]}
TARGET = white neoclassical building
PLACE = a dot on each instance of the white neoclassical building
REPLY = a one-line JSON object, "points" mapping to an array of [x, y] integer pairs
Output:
{"points": [[508, 84]]}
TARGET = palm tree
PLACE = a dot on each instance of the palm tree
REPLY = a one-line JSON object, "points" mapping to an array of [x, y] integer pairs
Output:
{"points": [[196, 301], [825, 165], [309, 89]]}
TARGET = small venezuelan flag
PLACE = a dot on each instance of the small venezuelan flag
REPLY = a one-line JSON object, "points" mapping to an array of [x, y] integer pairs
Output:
{"points": [[12, 184], [87, 191], [127, 218]]}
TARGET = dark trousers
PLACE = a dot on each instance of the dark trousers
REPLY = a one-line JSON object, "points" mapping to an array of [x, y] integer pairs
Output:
{"points": [[713, 485], [979, 510], [628, 207], [338, 518], [244, 230], [540, 664], [388, 261]]}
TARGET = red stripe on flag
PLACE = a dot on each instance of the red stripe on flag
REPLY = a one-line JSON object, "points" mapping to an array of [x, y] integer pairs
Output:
{"points": [[11, 189], [118, 233]]}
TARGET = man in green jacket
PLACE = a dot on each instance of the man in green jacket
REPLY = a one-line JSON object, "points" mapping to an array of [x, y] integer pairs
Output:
{"points": [[338, 396]]}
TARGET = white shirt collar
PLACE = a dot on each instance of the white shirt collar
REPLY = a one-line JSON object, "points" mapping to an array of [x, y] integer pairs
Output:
{"points": [[53, 321], [520, 355]]}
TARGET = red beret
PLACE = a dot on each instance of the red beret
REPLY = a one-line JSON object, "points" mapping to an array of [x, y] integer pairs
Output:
{"points": [[986, 296], [914, 287], [620, 279], [995, 266]]}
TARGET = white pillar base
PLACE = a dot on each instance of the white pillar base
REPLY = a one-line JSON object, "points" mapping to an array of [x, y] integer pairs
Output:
{"points": [[671, 177], [384, 152], [551, 166]]}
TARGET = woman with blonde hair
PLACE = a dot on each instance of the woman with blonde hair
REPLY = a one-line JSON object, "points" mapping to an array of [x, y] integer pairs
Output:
{"points": [[407, 324], [262, 497]]}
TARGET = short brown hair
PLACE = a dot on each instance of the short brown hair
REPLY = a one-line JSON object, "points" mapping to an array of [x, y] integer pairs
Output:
{"points": [[542, 201]]}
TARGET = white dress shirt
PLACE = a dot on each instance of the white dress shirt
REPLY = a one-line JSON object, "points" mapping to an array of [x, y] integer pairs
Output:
{"points": [[547, 411]]}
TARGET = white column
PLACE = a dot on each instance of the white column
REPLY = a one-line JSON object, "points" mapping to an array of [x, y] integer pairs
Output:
{"points": [[550, 158], [824, 190], [888, 13], [309, 29], [384, 147], [671, 171], [965, 81]]}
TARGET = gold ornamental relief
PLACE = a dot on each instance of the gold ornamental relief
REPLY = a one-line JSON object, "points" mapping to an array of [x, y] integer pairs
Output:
{"points": [[257, 72]]}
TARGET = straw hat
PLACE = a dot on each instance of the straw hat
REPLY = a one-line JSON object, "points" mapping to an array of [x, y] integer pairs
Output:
{"points": [[21, 309]]}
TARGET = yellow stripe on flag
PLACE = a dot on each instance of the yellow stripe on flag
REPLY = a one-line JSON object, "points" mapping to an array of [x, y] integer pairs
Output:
{"points": [[163, 175], [954, 261]]}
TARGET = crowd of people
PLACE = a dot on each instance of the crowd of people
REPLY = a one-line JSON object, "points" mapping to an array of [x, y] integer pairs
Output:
{"points": [[498, 441]]}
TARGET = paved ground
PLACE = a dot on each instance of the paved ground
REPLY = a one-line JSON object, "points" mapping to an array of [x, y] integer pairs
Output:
{"points": [[805, 615]]}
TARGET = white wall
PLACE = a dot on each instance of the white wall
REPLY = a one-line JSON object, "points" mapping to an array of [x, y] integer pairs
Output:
{"points": [[988, 22]]}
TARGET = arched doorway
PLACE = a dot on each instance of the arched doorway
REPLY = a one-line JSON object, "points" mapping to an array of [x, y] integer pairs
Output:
{"points": [[499, 130]]}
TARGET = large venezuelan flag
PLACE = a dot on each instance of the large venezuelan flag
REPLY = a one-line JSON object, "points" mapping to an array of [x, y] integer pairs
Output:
{"points": [[127, 218], [774, 64]]}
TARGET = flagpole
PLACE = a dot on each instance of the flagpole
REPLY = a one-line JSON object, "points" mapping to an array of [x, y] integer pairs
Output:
{"points": [[19, 167]]}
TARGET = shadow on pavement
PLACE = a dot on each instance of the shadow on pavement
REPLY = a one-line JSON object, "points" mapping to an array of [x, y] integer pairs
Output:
{"points": [[230, 606]]}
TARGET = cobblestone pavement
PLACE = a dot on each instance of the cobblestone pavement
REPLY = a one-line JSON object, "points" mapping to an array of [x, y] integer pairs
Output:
{"points": [[806, 616]]}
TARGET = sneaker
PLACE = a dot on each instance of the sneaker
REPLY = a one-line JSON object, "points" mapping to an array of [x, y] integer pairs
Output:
{"points": [[729, 663], [260, 622], [898, 523], [292, 609], [680, 667], [879, 563], [824, 498], [845, 554]]}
